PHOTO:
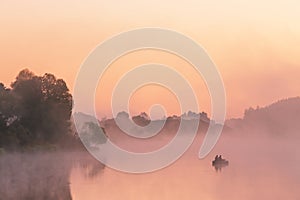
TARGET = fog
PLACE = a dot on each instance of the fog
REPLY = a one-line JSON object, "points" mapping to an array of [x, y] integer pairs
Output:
{"points": [[262, 165], [260, 168]]}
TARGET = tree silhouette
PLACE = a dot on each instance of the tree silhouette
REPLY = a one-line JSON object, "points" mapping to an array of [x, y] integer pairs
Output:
{"points": [[37, 109]]}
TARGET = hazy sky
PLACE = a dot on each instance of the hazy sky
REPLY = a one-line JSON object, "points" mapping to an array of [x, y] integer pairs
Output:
{"points": [[255, 44]]}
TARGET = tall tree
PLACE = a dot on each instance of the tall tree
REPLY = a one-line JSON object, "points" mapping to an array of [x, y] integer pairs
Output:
{"points": [[44, 105]]}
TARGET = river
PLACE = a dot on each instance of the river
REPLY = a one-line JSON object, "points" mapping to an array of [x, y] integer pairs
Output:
{"points": [[259, 168]]}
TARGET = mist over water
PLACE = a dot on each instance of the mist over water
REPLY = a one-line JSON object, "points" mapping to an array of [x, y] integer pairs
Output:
{"points": [[259, 168], [262, 150], [42, 175]]}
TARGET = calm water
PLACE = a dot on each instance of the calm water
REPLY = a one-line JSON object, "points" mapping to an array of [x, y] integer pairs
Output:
{"points": [[260, 168]]}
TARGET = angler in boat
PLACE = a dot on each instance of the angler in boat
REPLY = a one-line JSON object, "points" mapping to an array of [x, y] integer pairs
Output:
{"points": [[219, 162]]}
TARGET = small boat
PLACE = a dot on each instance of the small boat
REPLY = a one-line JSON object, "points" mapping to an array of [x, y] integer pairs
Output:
{"points": [[219, 162]]}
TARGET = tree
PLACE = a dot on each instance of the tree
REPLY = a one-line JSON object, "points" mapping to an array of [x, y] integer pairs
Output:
{"points": [[37, 109], [92, 134], [7, 107], [57, 104], [27, 91]]}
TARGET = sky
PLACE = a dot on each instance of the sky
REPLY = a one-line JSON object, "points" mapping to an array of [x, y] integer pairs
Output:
{"points": [[254, 44]]}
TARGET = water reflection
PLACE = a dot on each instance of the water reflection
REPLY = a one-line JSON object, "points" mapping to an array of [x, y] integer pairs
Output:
{"points": [[259, 169], [42, 175]]}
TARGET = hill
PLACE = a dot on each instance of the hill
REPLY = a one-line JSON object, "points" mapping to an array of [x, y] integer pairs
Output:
{"points": [[279, 118]]}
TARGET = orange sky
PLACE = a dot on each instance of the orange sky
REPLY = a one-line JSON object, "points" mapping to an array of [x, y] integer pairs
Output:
{"points": [[255, 44]]}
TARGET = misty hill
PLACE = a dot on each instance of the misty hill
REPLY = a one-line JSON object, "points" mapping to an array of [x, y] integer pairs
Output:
{"points": [[279, 118]]}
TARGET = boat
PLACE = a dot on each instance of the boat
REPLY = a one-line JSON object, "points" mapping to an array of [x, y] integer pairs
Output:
{"points": [[219, 162]]}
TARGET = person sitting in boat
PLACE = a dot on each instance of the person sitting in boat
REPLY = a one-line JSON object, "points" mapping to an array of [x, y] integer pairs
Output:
{"points": [[217, 157]]}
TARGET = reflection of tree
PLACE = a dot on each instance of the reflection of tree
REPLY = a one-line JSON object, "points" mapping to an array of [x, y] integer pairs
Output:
{"points": [[35, 176], [42, 175], [89, 166]]}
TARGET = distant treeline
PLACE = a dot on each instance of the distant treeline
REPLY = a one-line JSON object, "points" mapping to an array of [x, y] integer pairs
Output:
{"points": [[34, 111], [279, 118]]}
